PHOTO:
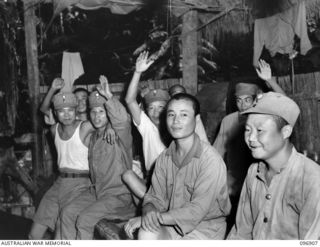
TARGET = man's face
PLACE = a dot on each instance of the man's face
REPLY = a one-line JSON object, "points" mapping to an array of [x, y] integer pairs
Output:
{"points": [[244, 102], [154, 110], [181, 120], [98, 116], [66, 115], [263, 137], [82, 101]]}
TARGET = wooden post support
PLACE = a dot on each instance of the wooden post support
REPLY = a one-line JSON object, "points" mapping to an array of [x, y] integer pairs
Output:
{"points": [[33, 81], [189, 38]]}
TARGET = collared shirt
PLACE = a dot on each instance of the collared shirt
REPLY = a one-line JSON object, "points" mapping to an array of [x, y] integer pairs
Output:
{"points": [[289, 208], [152, 142], [231, 146], [194, 192], [108, 162]]}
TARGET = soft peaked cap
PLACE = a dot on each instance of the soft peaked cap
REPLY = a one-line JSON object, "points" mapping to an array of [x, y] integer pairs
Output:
{"points": [[64, 99], [276, 104], [156, 95], [95, 99]]}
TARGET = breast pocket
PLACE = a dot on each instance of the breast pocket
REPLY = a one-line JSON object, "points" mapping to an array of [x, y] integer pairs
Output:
{"points": [[188, 191]]}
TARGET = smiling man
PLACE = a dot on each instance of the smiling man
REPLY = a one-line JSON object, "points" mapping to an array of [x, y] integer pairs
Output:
{"points": [[280, 195], [188, 197], [108, 197], [82, 97], [230, 140], [71, 138]]}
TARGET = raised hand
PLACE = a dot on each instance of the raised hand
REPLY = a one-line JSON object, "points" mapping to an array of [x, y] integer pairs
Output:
{"points": [[143, 62], [264, 70], [57, 84], [104, 88]]}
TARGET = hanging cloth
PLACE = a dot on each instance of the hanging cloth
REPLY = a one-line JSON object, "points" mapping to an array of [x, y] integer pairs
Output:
{"points": [[277, 32], [72, 68]]}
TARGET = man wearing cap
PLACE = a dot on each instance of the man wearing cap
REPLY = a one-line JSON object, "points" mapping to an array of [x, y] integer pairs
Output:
{"points": [[109, 198], [71, 138], [148, 123], [81, 96], [230, 139], [280, 195]]}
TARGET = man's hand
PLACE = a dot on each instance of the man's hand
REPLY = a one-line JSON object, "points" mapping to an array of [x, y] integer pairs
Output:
{"points": [[110, 135], [264, 70], [57, 84], [131, 226], [104, 88], [150, 219], [143, 63]]}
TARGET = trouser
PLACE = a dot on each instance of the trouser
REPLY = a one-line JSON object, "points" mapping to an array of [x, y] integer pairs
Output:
{"points": [[62, 192], [79, 218]]}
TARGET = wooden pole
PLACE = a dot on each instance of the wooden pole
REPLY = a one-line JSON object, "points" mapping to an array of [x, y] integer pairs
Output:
{"points": [[190, 51], [33, 82]]}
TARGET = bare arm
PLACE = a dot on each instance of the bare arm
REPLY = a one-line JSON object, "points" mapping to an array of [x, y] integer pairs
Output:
{"points": [[264, 72], [142, 65], [56, 85]]}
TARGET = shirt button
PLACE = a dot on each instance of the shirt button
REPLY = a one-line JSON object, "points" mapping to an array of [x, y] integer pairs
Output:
{"points": [[268, 196], [265, 219]]}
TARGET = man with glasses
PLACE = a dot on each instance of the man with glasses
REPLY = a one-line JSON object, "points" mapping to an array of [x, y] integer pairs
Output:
{"points": [[230, 139]]}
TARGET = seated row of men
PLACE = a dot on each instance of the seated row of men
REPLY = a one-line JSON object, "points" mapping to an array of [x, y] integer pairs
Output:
{"points": [[188, 196]]}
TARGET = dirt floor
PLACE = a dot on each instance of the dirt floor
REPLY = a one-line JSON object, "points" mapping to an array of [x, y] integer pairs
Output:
{"points": [[13, 227]]}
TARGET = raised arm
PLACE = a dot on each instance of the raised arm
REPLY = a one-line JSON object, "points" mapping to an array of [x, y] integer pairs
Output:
{"points": [[116, 111], [56, 85], [264, 72], [142, 64]]}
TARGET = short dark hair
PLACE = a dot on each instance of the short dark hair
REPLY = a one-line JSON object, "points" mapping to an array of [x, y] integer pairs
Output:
{"points": [[173, 88], [188, 97], [280, 122], [80, 89]]}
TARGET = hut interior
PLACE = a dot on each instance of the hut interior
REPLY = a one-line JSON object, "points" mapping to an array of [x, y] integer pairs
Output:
{"points": [[203, 44]]}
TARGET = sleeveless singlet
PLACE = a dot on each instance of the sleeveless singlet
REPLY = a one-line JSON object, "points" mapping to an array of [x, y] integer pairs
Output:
{"points": [[72, 153]]}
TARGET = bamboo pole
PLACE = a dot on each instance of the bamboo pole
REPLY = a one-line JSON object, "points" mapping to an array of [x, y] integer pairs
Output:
{"points": [[33, 82], [190, 52]]}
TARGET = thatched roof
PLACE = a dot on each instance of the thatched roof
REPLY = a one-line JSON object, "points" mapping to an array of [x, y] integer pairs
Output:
{"points": [[115, 6]]}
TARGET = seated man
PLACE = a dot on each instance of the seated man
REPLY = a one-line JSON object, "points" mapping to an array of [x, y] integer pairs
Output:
{"points": [[230, 139], [280, 195], [188, 196], [109, 197], [71, 138], [149, 124]]}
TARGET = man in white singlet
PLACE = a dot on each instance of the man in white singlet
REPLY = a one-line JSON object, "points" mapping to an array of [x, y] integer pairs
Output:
{"points": [[71, 139]]}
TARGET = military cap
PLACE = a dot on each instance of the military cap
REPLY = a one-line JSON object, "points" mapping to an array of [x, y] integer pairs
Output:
{"points": [[277, 104], [64, 99], [156, 95], [95, 99]]}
